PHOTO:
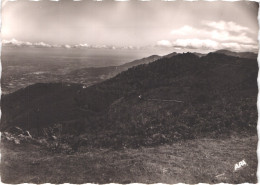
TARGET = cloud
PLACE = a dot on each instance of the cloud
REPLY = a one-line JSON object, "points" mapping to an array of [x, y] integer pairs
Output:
{"points": [[81, 46], [239, 47], [196, 43], [126, 47], [14, 42], [213, 35], [164, 43], [226, 26], [226, 36], [217, 34], [189, 43], [206, 44], [67, 46], [41, 44]]}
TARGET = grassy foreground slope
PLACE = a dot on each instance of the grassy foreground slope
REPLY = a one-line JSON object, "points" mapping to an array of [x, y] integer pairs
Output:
{"points": [[193, 161]]}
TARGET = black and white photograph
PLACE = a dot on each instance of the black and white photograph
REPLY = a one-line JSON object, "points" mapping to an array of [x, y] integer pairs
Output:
{"points": [[129, 91]]}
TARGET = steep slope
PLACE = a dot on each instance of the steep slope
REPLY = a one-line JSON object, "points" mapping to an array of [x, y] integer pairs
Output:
{"points": [[182, 97], [139, 62], [91, 76]]}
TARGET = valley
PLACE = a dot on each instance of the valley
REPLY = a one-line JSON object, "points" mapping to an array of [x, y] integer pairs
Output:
{"points": [[26, 66]]}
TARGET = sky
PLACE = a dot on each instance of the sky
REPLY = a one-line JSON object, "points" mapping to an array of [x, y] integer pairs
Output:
{"points": [[179, 24]]}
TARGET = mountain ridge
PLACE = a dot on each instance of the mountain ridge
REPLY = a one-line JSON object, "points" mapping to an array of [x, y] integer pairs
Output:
{"points": [[251, 55], [204, 84]]}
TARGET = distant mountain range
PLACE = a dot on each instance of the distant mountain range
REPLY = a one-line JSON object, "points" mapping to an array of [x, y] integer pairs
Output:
{"points": [[238, 54], [251, 55], [181, 96]]}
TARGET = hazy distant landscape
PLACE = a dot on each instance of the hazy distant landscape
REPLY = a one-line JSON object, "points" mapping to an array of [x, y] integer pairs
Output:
{"points": [[23, 66]]}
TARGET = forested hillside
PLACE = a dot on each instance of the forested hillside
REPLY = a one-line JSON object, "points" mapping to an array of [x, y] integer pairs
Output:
{"points": [[181, 97]]}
